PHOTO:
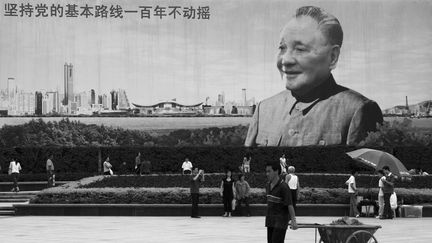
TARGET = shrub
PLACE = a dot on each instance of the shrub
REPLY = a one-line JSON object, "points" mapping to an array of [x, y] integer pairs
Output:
{"points": [[257, 180], [212, 159], [175, 195], [75, 193], [399, 133], [66, 159]]}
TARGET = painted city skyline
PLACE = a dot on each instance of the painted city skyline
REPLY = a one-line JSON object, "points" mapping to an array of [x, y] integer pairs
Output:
{"points": [[15, 101], [385, 54]]}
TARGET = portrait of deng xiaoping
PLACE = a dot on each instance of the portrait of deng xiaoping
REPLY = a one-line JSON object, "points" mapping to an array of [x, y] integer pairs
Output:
{"points": [[314, 109]]}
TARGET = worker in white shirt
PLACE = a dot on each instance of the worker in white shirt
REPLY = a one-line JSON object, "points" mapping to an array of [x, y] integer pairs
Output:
{"points": [[293, 183], [14, 170]]}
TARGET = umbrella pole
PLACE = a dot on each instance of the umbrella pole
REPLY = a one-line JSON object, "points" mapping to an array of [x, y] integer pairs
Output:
{"points": [[369, 193]]}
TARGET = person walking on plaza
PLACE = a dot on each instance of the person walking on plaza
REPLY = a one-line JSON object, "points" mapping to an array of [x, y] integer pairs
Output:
{"points": [[196, 178], [388, 189], [352, 190], [380, 194], [279, 205], [14, 170], [107, 167], [294, 184], [227, 192], [242, 191], [187, 167], [138, 164], [283, 164], [50, 171]]}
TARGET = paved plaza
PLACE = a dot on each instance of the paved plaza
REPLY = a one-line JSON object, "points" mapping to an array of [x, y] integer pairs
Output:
{"points": [[185, 229]]}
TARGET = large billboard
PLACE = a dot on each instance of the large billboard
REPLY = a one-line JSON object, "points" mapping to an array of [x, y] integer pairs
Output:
{"points": [[216, 63]]}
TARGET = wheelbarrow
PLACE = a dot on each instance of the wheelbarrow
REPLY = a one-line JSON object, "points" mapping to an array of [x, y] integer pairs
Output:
{"points": [[344, 233]]}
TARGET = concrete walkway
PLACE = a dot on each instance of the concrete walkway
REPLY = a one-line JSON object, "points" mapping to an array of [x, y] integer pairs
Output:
{"points": [[185, 229]]}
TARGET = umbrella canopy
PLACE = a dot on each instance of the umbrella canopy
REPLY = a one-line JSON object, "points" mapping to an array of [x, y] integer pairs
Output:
{"points": [[378, 159]]}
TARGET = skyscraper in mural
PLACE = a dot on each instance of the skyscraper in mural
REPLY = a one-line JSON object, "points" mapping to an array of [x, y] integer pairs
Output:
{"points": [[68, 84], [244, 101]]}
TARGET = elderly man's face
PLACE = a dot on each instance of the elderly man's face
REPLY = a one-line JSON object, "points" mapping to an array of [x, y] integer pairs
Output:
{"points": [[305, 57]]}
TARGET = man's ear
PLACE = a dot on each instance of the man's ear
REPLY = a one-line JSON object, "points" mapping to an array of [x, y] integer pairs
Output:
{"points": [[334, 56]]}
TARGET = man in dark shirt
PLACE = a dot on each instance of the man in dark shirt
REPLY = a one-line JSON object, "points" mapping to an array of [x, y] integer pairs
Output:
{"points": [[388, 190], [279, 205], [194, 190], [314, 109]]}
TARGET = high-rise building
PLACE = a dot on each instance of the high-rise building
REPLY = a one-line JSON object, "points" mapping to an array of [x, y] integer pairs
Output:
{"points": [[25, 104], [54, 104], [68, 84], [221, 99], [12, 91], [92, 97], [114, 100], [105, 101], [73, 107], [38, 103], [123, 102], [45, 105], [4, 103], [83, 101], [100, 99], [244, 101], [109, 102], [11, 86], [29, 103], [77, 99]]}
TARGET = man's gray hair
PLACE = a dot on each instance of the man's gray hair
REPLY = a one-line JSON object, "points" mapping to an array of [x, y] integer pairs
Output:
{"points": [[291, 169], [327, 23]]}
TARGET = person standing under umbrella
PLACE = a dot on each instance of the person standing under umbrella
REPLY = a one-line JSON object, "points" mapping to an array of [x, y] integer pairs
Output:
{"points": [[381, 194], [388, 190]]}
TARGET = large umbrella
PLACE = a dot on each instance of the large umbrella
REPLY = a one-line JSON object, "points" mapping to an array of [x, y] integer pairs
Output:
{"points": [[378, 159]]}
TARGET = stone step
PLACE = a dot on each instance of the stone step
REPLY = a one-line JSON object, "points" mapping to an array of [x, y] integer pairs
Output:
{"points": [[19, 193], [6, 208], [8, 196], [16, 197], [7, 213], [28, 185], [5, 200]]}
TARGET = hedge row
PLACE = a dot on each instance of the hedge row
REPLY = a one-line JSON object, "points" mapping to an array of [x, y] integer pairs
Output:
{"points": [[331, 159], [257, 180], [74, 193], [43, 177], [208, 196], [66, 159]]}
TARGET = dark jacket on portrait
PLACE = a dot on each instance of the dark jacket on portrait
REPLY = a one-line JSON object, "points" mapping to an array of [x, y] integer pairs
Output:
{"points": [[331, 115]]}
